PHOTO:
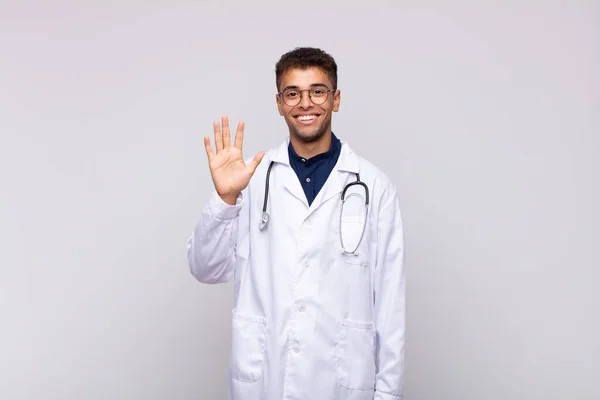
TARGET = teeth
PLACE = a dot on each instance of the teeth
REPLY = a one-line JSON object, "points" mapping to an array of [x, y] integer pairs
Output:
{"points": [[306, 117]]}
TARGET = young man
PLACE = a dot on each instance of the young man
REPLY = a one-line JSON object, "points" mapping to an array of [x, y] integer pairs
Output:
{"points": [[312, 237]]}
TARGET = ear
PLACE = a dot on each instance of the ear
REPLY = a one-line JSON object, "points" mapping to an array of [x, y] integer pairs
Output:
{"points": [[337, 97], [279, 105]]}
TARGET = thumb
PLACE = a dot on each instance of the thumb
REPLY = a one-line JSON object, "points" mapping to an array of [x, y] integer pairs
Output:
{"points": [[256, 161]]}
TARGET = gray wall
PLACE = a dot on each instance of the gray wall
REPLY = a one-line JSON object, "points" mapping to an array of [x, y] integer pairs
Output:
{"points": [[486, 116]]}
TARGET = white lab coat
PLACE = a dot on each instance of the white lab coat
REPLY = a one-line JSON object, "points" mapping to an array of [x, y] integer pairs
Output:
{"points": [[309, 322]]}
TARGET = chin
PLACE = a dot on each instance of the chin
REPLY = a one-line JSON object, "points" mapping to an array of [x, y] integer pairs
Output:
{"points": [[308, 137], [307, 134]]}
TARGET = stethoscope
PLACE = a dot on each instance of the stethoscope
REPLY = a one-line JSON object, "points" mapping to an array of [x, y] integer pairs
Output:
{"points": [[265, 214]]}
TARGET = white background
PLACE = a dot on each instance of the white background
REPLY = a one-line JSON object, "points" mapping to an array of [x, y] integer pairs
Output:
{"points": [[486, 116]]}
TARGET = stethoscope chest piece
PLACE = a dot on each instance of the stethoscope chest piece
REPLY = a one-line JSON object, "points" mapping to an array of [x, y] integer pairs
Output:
{"points": [[264, 220]]}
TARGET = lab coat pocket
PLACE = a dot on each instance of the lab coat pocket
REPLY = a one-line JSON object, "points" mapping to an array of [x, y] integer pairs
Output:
{"points": [[248, 347], [354, 240], [355, 355]]}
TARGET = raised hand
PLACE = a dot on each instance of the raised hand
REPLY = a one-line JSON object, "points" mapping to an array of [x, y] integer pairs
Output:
{"points": [[229, 172]]}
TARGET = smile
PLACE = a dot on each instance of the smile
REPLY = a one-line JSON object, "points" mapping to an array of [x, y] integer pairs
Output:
{"points": [[306, 119]]}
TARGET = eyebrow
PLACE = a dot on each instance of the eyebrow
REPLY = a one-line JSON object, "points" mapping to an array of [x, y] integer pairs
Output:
{"points": [[298, 87]]}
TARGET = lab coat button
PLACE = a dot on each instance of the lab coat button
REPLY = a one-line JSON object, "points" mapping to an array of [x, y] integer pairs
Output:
{"points": [[296, 346], [302, 308], [305, 263]]}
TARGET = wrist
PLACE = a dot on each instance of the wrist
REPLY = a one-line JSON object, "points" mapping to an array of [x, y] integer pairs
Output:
{"points": [[230, 199]]}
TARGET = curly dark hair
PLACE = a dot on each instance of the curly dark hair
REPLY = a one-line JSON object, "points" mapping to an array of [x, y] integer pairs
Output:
{"points": [[305, 57]]}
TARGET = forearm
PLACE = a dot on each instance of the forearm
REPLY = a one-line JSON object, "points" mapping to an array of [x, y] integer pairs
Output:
{"points": [[390, 302], [212, 246], [391, 339]]}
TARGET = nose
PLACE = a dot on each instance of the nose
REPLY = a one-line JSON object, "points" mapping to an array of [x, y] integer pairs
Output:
{"points": [[305, 101]]}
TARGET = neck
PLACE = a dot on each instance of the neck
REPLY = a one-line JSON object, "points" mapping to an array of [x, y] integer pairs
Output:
{"points": [[310, 149]]}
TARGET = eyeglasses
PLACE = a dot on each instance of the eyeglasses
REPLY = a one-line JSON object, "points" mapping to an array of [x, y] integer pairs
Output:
{"points": [[318, 95]]}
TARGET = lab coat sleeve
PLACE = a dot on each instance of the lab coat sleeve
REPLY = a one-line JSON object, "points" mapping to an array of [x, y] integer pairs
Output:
{"points": [[211, 247], [390, 300]]}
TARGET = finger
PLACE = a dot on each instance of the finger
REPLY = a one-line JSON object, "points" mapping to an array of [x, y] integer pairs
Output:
{"points": [[239, 135], [209, 151], [226, 133], [256, 161], [218, 136]]}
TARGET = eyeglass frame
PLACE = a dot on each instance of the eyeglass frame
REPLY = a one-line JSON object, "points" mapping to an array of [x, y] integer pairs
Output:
{"points": [[320, 85]]}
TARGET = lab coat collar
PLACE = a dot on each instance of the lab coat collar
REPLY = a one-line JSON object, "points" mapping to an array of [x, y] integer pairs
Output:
{"points": [[344, 171], [347, 161], [347, 165]]}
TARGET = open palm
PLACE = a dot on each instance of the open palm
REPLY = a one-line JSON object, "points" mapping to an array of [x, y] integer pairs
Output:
{"points": [[230, 173]]}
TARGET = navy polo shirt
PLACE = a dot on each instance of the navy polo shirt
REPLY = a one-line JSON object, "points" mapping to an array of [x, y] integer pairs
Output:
{"points": [[313, 172]]}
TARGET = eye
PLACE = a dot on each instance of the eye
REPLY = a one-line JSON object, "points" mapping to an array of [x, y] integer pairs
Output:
{"points": [[318, 92], [291, 94]]}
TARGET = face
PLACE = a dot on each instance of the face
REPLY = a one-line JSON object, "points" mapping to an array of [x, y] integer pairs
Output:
{"points": [[307, 121]]}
